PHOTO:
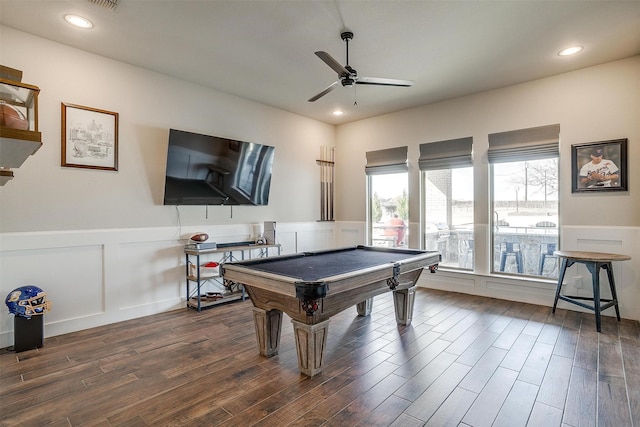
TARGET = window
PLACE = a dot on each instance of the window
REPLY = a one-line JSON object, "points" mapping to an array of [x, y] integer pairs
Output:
{"points": [[388, 207], [447, 176], [524, 201]]}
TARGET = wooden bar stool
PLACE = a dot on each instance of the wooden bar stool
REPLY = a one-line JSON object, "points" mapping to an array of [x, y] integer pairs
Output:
{"points": [[594, 261]]}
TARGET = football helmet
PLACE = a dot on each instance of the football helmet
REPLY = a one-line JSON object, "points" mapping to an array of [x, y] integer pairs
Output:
{"points": [[27, 301]]}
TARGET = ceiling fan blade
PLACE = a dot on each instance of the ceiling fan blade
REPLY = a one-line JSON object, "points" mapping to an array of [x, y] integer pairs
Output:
{"points": [[324, 92], [383, 82], [328, 59]]}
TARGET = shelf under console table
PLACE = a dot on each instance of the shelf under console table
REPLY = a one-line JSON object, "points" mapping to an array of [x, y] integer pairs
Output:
{"points": [[223, 292]]}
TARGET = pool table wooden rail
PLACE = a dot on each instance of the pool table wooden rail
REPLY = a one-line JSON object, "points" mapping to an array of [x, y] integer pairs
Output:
{"points": [[271, 291], [341, 295]]}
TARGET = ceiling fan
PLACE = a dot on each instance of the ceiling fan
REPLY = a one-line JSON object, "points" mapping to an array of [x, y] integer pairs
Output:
{"points": [[347, 76]]}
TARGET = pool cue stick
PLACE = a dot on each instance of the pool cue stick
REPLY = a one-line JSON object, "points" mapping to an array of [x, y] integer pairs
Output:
{"points": [[326, 188], [330, 185], [321, 189], [333, 171], [326, 184], [326, 178]]}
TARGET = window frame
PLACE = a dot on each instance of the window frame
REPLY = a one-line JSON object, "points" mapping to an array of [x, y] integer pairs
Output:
{"points": [[519, 146], [383, 162], [444, 155]]}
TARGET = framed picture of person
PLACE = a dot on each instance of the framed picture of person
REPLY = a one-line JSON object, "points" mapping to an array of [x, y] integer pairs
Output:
{"points": [[599, 166]]}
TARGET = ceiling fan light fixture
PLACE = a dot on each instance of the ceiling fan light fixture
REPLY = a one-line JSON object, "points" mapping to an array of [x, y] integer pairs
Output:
{"points": [[78, 21], [570, 51], [337, 112], [347, 82]]}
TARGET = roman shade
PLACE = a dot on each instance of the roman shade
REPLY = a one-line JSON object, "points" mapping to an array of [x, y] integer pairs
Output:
{"points": [[391, 160], [449, 154], [541, 142]]}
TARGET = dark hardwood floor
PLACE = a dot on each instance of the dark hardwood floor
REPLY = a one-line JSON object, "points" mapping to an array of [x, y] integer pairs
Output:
{"points": [[464, 361]]}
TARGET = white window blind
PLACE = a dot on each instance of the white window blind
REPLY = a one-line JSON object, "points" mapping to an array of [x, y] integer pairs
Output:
{"points": [[453, 153], [391, 160], [541, 142]]}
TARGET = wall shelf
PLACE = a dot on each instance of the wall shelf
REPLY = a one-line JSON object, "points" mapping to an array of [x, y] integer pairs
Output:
{"points": [[19, 135]]}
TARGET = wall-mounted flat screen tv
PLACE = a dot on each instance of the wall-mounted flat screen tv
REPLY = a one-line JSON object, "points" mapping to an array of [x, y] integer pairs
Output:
{"points": [[209, 170]]}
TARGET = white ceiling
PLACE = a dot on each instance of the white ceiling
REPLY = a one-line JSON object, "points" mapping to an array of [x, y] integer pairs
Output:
{"points": [[263, 50]]}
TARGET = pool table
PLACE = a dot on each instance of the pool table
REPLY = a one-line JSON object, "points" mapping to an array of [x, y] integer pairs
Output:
{"points": [[313, 286]]}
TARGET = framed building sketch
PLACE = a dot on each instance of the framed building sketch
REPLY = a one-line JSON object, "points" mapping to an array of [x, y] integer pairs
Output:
{"points": [[599, 166], [89, 138]]}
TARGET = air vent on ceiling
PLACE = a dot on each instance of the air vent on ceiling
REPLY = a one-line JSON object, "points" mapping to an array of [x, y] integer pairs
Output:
{"points": [[107, 4]]}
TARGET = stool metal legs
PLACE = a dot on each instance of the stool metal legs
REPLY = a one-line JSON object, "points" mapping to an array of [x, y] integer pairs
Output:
{"points": [[509, 250], [612, 285], [465, 253], [594, 268], [563, 269], [548, 253], [595, 281]]}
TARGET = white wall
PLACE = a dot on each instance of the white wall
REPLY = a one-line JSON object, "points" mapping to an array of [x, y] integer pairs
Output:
{"points": [[593, 104], [100, 243], [45, 196]]}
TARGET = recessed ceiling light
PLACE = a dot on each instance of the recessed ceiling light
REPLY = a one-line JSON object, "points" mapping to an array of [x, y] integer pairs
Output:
{"points": [[570, 51], [78, 21], [338, 113]]}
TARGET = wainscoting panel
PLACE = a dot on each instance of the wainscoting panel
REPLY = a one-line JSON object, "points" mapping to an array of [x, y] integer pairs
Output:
{"points": [[148, 272], [98, 277], [621, 240], [69, 273]]}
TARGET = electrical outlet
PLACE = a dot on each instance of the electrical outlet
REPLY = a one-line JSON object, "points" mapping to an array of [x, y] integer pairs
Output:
{"points": [[577, 282]]}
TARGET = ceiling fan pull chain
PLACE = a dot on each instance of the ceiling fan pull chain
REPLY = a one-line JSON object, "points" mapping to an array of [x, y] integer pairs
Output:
{"points": [[355, 95]]}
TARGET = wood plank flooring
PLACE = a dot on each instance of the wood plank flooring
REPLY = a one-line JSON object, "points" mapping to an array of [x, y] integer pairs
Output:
{"points": [[464, 361]]}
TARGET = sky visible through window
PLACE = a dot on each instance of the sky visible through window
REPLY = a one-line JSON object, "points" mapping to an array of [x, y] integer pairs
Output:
{"points": [[390, 185]]}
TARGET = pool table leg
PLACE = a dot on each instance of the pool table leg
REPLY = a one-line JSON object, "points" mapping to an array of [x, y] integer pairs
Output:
{"points": [[403, 300], [268, 326], [310, 343], [364, 308]]}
